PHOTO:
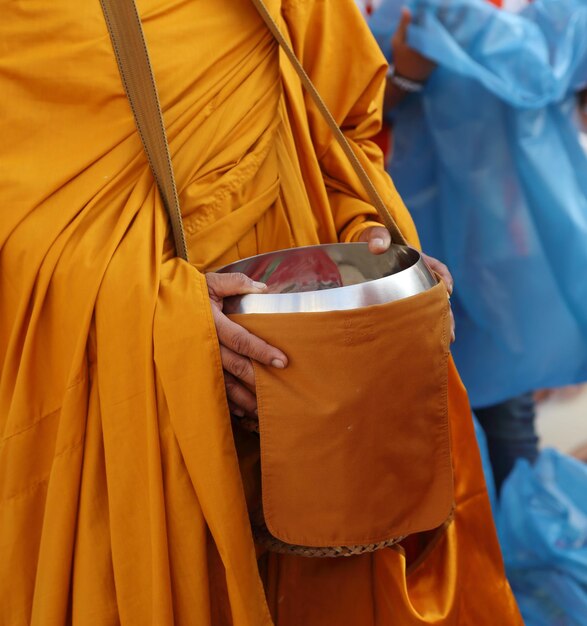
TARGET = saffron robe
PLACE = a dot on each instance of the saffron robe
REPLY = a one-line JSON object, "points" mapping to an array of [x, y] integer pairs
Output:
{"points": [[121, 499]]}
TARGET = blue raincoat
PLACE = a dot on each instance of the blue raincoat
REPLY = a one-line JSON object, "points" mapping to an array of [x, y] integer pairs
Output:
{"points": [[489, 162], [542, 524], [541, 519]]}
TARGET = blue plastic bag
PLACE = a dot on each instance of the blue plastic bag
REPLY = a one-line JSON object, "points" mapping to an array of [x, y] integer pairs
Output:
{"points": [[542, 524], [489, 162]]}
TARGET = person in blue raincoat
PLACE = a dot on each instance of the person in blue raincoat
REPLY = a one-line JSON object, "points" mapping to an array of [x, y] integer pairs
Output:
{"points": [[487, 155]]}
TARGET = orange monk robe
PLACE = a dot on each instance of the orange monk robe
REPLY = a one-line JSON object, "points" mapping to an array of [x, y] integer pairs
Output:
{"points": [[121, 500]]}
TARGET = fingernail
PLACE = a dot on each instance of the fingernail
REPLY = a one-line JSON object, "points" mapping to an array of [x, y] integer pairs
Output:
{"points": [[378, 243], [257, 412], [238, 412], [278, 363], [258, 285]]}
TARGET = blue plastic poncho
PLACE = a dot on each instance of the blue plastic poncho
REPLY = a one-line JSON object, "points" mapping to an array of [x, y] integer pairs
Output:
{"points": [[489, 162], [542, 524]]}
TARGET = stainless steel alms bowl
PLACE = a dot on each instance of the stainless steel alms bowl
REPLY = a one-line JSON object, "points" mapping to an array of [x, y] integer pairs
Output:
{"points": [[329, 277]]}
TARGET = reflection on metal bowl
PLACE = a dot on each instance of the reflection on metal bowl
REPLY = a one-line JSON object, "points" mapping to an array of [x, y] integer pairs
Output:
{"points": [[329, 277]]}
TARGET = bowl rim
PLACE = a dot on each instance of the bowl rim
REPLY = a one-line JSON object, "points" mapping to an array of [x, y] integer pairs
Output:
{"points": [[336, 244], [323, 292]]}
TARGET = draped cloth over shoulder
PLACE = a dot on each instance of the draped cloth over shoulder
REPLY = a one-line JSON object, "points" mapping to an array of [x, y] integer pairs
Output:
{"points": [[121, 499]]}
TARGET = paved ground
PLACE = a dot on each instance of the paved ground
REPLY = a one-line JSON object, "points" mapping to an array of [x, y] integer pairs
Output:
{"points": [[562, 419]]}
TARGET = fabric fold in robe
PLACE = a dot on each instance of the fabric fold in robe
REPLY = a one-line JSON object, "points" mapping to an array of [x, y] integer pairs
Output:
{"points": [[121, 499]]}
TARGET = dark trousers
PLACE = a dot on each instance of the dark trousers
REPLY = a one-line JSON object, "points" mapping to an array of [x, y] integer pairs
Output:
{"points": [[511, 434]]}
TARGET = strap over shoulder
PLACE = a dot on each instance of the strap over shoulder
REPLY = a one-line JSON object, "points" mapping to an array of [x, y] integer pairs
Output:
{"points": [[128, 41]]}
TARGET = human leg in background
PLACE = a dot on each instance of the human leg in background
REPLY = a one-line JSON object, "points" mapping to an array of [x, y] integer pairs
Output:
{"points": [[511, 433]]}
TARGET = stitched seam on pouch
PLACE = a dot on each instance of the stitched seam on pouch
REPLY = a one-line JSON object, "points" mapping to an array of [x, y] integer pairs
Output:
{"points": [[262, 438], [444, 397]]}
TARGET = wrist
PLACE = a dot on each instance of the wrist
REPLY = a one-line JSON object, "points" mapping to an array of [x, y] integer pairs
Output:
{"points": [[402, 82]]}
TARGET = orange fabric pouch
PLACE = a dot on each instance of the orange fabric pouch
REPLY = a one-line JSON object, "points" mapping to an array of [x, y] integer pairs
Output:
{"points": [[354, 435]]}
